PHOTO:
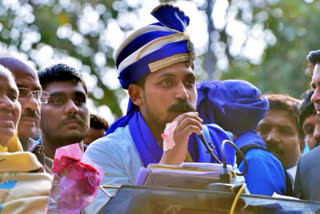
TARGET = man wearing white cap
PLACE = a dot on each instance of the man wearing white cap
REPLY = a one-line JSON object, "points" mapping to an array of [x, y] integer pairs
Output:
{"points": [[156, 67]]}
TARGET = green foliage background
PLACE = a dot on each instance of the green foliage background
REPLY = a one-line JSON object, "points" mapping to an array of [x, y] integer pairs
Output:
{"points": [[294, 25], [282, 69]]}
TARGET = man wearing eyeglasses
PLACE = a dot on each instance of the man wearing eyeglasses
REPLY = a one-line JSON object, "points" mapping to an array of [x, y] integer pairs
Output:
{"points": [[31, 97]]}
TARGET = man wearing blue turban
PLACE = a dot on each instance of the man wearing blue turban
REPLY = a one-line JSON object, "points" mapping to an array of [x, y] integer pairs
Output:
{"points": [[237, 106], [156, 66]]}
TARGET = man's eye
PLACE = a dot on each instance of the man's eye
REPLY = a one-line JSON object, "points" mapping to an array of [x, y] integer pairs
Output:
{"points": [[189, 83], [263, 129], [286, 131], [13, 97], [23, 93], [80, 100], [166, 83], [308, 130], [56, 100]]}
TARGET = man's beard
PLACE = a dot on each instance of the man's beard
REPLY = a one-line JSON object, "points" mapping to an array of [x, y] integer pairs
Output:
{"points": [[61, 140]]}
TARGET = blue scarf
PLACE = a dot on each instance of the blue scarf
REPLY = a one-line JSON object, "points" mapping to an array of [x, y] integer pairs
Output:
{"points": [[150, 151], [250, 138]]}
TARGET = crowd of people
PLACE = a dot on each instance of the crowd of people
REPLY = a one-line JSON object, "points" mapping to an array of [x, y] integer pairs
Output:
{"points": [[42, 111]]}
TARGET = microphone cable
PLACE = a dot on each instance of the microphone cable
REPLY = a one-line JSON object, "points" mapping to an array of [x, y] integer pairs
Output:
{"points": [[210, 150], [225, 177], [238, 151]]}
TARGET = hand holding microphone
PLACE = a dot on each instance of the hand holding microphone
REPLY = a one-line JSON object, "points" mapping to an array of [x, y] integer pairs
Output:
{"points": [[184, 125]]}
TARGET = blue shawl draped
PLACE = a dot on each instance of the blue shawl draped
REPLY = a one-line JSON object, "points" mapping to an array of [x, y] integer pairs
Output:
{"points": [[150, 151], [250, 138]]}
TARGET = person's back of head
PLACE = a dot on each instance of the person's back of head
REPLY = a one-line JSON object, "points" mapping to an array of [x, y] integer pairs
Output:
{"points": [[235, 105], [281, 130], [65, 118], [98, 128]]}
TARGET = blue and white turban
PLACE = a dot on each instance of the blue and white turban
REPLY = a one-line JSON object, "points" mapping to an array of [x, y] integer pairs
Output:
{"points": [[235, 105], [155, 46]]}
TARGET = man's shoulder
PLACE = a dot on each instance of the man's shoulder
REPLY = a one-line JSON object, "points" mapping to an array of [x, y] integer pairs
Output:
{"points": [[216, 129], [261, 155], [311, 156], [120, 139]]}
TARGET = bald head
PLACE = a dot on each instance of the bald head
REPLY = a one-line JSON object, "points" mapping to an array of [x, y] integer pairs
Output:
{"points": [[16, 66], [27, 80]]}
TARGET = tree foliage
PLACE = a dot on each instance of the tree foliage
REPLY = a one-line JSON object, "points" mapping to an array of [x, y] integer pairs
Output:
{"points": [[80, 30], [282, 68]]}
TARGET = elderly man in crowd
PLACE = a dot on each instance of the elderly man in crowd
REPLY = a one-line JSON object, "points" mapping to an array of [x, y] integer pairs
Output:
{"points": [[31, 97], [156, 66]]}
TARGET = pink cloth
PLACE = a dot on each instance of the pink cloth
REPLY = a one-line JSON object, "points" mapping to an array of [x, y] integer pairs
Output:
{"points": [[168, 136], [76, 179]]}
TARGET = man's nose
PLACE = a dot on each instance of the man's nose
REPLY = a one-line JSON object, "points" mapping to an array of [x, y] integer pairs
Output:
{"points": [[71, 107], [272, 136], [182, 92], [30, 103], [316, 96]]}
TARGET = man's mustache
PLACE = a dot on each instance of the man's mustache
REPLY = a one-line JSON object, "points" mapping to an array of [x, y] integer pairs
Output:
{"points": [[31, 113], [182, 107], [75, 118]]}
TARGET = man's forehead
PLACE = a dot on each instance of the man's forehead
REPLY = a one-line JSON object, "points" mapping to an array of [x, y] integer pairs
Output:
{"points": [[25, 76], [178, 69], [7, 80], [64, 87], [27, 79], [316, 75]]}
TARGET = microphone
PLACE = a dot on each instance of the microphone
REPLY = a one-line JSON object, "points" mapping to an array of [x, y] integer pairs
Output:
{"points": [[224, 176], [210, 150]]}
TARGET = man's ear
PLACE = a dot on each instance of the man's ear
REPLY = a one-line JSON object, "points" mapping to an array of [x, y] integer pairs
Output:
{"points": [[135, 93]]}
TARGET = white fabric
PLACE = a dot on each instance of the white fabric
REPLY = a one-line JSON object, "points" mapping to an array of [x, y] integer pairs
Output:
{"points": [[151, 47], [292, 173], [148, 28], [120, 160], [48, 163]]}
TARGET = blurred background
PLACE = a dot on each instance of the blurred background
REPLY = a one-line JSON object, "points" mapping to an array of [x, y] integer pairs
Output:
{"points": [[262, 41]]}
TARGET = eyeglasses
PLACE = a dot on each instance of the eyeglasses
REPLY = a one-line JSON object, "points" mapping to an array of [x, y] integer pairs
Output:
{"points": [[40, 96]]}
